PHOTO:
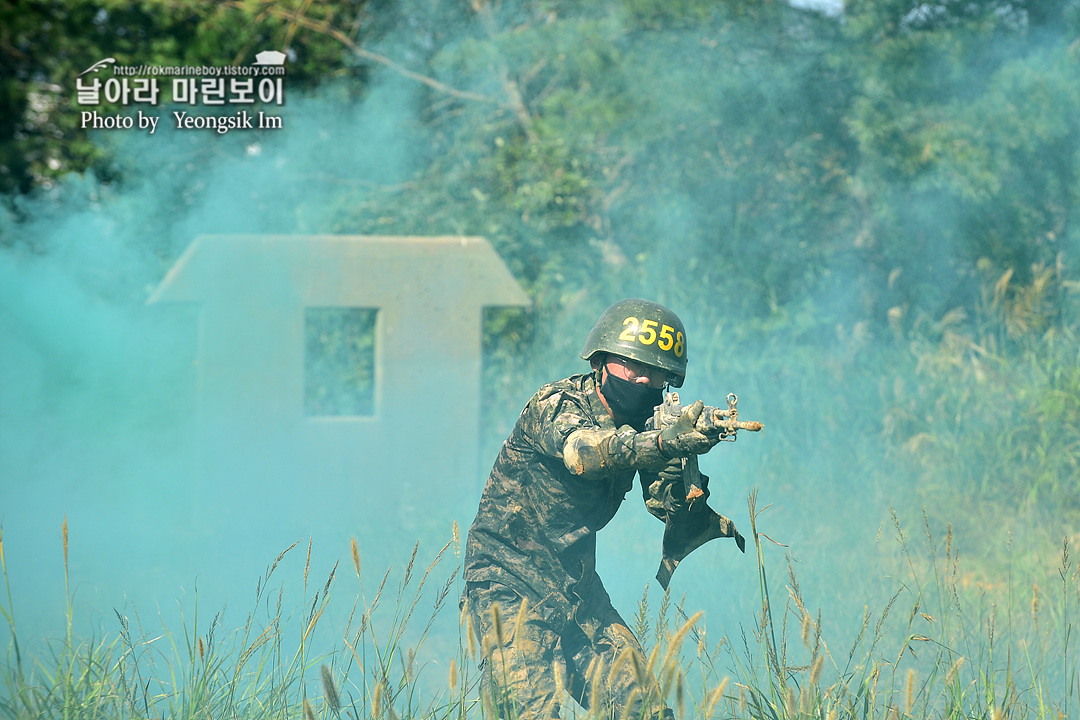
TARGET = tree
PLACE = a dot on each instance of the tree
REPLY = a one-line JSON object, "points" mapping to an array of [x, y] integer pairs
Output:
{"points": [[965, 116], [45, 44]]}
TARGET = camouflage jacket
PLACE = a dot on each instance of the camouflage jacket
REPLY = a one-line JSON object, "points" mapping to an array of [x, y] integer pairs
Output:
{"points": [[560, 477]]}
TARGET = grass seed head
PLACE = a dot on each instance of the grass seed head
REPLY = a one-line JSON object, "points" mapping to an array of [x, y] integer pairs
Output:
{"points": [[330, 691], [680, 693], [593, 673], [496, 618], [953, 671], [714, 697], [640, 673], [523, 610], [815, 669], [487, 702], [410, 665], [632, 699], [619, 663], [307, 563], [329, 581], [470, 633], [376, 703]]}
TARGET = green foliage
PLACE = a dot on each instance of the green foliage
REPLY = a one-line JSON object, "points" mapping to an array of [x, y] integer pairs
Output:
{"points": [[45, 44], [966, 123], [992, 422]]}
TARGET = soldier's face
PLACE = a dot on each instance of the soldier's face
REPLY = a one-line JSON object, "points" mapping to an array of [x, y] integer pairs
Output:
{"points": [[637, 372]]}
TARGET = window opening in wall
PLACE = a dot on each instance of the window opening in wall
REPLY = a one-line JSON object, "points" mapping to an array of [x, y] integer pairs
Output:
{"points": [[339, 361]]}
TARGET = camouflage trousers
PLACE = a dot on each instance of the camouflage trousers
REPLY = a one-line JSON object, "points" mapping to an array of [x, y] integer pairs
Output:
{"points": [[528, 661]]}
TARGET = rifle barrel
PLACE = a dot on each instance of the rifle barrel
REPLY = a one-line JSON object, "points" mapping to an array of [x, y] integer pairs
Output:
{"points": [[751, 425]]}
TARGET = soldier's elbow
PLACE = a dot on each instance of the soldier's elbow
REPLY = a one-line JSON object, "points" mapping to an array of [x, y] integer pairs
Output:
{"points": [[574, 464], [583, 452]]}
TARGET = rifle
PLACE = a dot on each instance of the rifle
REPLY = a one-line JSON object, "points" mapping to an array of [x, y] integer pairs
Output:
{"points": [[692, 524]]}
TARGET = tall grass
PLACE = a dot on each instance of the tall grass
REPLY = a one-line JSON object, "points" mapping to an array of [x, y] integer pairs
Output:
{"points": [[935, 648], [265, 669], [988, 416]]}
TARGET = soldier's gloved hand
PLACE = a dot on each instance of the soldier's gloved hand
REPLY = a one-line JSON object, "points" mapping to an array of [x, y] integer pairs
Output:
{"points": [[710, 425], [672, 471], [683, 439]]}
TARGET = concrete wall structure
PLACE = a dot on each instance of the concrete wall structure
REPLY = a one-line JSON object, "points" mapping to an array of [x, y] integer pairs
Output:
{"points": [[416, 455]]}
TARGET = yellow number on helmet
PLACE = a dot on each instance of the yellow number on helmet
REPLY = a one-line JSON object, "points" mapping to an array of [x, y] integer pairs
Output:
{"points": [[647, 336], [659, 342], [666, 338]]}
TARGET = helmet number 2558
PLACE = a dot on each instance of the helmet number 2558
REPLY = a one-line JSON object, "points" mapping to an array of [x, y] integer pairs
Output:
{"points": [[645, 333]]}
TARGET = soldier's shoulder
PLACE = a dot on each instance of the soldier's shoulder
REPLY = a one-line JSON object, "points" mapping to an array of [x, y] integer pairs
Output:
{"points": [[557, 406], [575, 386]]}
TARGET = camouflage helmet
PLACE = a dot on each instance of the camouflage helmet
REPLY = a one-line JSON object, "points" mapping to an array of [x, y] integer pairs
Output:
{"points": [[641, 330]]}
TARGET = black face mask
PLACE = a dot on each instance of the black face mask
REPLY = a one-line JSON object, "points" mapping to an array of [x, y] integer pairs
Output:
{"points": [[631, 401]]}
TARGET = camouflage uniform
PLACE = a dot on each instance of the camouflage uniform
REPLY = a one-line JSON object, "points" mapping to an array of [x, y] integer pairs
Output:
{"points": [[559, 478]]}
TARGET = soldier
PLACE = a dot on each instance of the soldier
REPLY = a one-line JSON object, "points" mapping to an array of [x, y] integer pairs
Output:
{"points": [[559, 478]]}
